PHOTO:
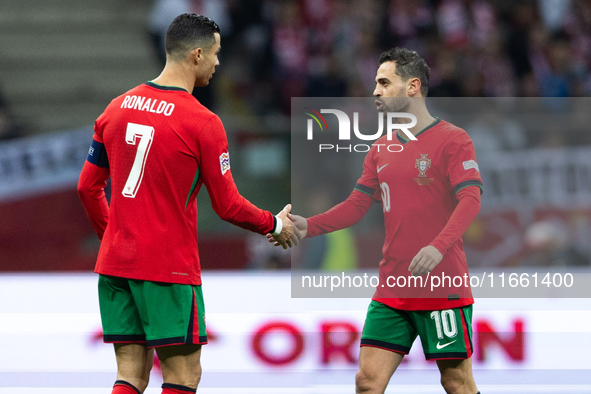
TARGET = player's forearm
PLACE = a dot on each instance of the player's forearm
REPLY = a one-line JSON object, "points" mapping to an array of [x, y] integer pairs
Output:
{"points": [[91, 190], [244, 214], [461, 218], [340, 216]]}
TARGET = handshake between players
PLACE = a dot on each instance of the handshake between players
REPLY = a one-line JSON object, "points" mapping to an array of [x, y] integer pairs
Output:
{"points": [[286, 235]]}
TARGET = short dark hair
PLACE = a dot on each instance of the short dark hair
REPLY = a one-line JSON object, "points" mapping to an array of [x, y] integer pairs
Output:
{"points": [[188, 31], [408, 65]]}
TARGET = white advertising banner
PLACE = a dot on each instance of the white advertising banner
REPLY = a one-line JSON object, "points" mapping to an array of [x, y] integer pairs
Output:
{"points": [[42, 163], [50, 336]]}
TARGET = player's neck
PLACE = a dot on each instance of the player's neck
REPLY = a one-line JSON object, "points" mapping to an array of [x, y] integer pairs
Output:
{"points": [[176, 75], [424, 119]]}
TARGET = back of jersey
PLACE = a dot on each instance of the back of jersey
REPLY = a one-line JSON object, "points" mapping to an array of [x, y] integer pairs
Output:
{"points": [[149, 134]]}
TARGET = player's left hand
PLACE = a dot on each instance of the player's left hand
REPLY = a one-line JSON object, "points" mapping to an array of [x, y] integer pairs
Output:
{"points": [[425, 261]]}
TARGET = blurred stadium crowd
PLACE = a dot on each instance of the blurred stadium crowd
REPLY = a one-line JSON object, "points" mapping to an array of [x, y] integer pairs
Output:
{"points": [[274, 50], [277, 49]]}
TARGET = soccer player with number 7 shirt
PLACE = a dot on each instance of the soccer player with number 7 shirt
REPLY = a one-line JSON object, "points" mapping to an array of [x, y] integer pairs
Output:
{"points": [[159, 145], [430, 194]]}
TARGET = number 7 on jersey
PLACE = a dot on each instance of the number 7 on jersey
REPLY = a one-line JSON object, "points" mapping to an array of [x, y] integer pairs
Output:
{"points": [[146, 135]]}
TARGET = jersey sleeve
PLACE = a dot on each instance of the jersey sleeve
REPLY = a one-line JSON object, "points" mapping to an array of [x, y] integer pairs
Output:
{"points": [[341, 216], [461, 218], [214, 167], [354, 208], [462, 169], [92, 182], [368, 182], [98, 128]]}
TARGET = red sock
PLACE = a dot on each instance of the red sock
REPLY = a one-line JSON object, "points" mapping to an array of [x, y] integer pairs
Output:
{"points": [[123, 387], [169, 388]]}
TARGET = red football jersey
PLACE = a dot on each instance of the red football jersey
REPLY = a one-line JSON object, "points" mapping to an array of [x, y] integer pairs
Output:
{"points": [[160, 146], [417, 188]]}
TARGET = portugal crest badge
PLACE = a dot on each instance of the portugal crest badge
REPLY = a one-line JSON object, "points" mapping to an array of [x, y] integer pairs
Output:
{"points": [[422, 164]]}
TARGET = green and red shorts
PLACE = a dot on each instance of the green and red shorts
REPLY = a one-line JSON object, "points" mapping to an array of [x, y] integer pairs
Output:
{"points": [[154, 313], [445, 334]]}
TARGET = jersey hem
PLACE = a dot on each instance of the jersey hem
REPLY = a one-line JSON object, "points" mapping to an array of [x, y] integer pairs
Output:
{"points": [[384, 345], [196, 282], [447, 356], [438, 304]]}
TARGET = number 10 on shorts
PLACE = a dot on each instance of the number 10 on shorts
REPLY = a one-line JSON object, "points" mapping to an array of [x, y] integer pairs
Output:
{"points": [[445, 323]]}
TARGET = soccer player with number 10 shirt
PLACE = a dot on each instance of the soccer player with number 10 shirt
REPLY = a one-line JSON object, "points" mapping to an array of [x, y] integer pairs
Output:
{"points": [[430, 194]]}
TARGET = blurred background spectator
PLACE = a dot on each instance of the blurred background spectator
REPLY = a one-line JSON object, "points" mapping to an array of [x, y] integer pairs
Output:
{"points": [[273, 50], [8, 127]]}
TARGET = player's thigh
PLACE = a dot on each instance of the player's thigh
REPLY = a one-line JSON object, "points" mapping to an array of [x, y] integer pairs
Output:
{"points": [[134, 362], [387, 336], [180, 364], [376, 367], [388, 328], [120, 318], [172, 314], [445, 334]]}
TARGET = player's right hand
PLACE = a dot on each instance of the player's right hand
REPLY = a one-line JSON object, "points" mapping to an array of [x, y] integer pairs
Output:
{"points": [[299, 230], [425, 261], [301, 224], [285, 236]]}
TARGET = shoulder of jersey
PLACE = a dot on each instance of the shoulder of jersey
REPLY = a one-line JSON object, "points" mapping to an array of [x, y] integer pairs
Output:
{"points": [[450, 131], [383, 140]]}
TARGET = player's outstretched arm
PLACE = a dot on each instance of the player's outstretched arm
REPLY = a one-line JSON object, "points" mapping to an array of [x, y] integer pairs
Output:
{"points": [[225, 199], [340, 216]]}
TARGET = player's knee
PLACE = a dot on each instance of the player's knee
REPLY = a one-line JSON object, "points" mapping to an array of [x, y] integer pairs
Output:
{"points": [[366, 382], [452, 383], [143, 384], [193, 377], [362, 382], [137, 379], [198, 373], [145, 379]]}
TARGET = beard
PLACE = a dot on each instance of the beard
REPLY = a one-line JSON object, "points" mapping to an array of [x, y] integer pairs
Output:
{"points": [[394, 104], [398, 103]]}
